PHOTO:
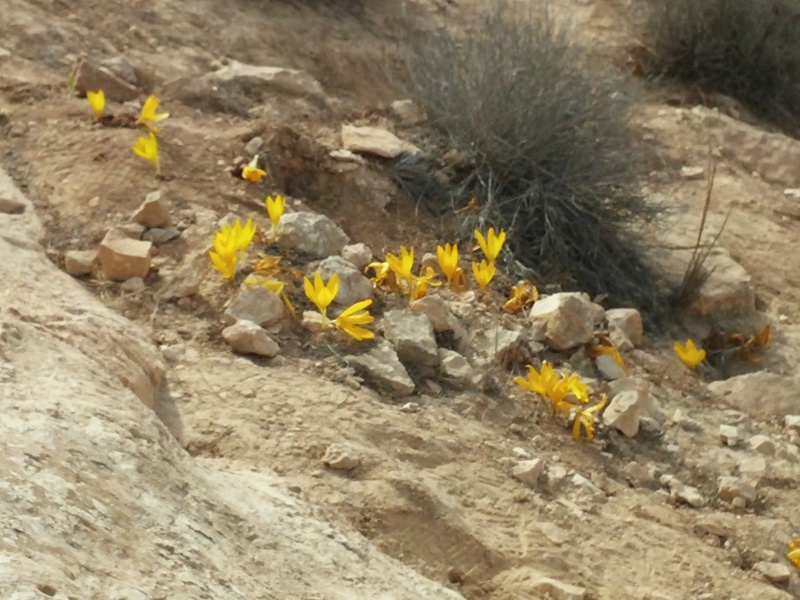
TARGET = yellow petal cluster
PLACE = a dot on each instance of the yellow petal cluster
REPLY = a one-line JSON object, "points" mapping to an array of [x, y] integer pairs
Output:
{"points": [[483, 273], [149, 115], [689, 354], [275, 207], [522, 294], [147, 148], [351, 319], [229, 243], [97, 100]]}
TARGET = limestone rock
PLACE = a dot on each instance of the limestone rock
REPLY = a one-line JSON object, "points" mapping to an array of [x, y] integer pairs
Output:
{"points": [[623, 413], [245, 337], [134, 284], [340, 458], [731, 488], [528, 471], [254, 145], [80, 262], [686, 494], [182, 284], [628, 321], [792, 422], [256, 79], [201, 94], [752, 469], [91, 78], [759, 394], [639, 473], [408, 112], [558, 590], [763, 444], [729, 435], [568, 319], [455, 368], [383, 366], [496, 343], [609, 368], [161, 235], [375, 140], [311, 233], [412, 336], [153, 212], [121, 258], [728, 290], [359, 255], [435, 308], [353, 286], [777, 573], [257, 304]]}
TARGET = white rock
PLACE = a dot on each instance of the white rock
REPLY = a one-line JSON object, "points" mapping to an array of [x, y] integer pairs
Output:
{"points": [[773, 572], [412, 336], [692, 172], [623, 413], [340, 457], [792, 422], [734, 487], [311, 320], [609, 368], [312, 234], [568, 319], [529, 471], [382, 365], [585, 485], [375, 140], [639, 473], [727, 291], [359, 255], [153, 212], [628, 321], [268, 79], [254, 145], [686, 494], [435, 308], [752, 469], [134, 284], [245, 337], [760, 394], [353, 286], [763, 444], [729, 435], [80, 262], [408, 112], [558, 590], [455, 368], [121, 258], [257, 304]]}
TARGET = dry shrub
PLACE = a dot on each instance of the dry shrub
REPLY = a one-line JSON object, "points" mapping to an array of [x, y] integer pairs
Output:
{"points": [[746, 49], [547, 149]]}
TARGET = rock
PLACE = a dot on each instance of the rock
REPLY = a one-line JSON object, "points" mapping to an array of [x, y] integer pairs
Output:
{"points": [[584, 485], [759, 394], [763, 444], [639, 473], [201, 94], [132, 230], [521, 453], [455, 368], [375, 140], [731, 488], [568, 320], [408, 112], [776, 573], [412, 336], [409, 407], [727, 291], [692, 172], [134, 284], [528, 471], [245, 337], [628, 321], [558, 590], [12, 206], [161, 235], [311, 320], [609, 368], [340, 458], [183, 284], [90, 78], [312, 234], [80, 262], [121, 258], [623, 413], [353, 286], [359, 255], [729, 435], [792, 422], [686, 494], [383, 366], [752, 469], [121, 67], [262, 80], [257, 304], [153, 212], [254, 145], [496, 343], [435, 308]]}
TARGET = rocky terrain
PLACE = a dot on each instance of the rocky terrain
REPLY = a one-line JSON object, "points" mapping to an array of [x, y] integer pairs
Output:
{"points": [[172, 434]]}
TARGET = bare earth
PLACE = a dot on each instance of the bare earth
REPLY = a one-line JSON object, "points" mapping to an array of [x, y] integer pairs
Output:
{"points": [[434, 492]]}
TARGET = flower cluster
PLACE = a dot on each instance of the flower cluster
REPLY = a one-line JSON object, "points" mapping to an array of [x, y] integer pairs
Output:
{"points": [[351, 319], [230, 244], [566, 394]]}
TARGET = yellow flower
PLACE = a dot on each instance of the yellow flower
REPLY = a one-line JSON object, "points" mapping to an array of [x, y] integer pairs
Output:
{"points": [[275, 208], [483, 273], [402, 266], [97, 100], [149, 116], [147, 148], [551, 386], [225, 263], [794, 553], [419, 288], [689, 354], [229, 243], [585, 419], [448, 260], [353, 317], [251, 172], [601, 349], [540, 382], [491, 244], [322, 294], [279, 288], [522, 294], [384, 277]]}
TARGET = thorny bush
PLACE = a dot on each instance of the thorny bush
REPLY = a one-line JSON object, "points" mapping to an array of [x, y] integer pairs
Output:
{"points": [[547, 149]]}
